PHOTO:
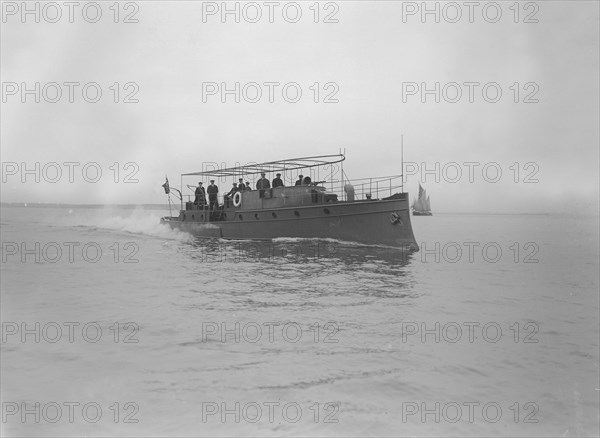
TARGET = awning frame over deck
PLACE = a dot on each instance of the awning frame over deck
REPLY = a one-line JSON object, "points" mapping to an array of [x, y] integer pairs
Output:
{"points": [[272, 166]]}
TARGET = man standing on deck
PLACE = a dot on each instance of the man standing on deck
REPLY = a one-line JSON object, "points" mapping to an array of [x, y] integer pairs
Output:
{"points": [[212, 190], [299, 182], [277, 182], [229, 195], [241, 186], [262, 184], [200, 195]]}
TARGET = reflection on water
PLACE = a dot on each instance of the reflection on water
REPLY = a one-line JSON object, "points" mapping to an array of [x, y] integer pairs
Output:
{"points": [[295, 251], [343, 267]]}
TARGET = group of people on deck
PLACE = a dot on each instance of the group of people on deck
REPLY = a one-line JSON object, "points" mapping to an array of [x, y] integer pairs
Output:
{"points": [[212, 191], [261, 185]]}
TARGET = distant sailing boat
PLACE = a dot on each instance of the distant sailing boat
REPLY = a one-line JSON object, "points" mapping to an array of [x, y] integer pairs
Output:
{"points": [[421, 206]]}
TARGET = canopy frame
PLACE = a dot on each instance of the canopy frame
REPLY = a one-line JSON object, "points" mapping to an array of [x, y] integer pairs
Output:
{"points": [[272, 166]]}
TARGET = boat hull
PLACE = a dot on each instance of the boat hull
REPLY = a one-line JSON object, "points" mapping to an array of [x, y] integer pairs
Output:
{"points": [[419, 213], [373, 222]]}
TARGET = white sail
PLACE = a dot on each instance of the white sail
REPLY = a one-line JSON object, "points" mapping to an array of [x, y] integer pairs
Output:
{"points": [[422, 203], [417, 205]]}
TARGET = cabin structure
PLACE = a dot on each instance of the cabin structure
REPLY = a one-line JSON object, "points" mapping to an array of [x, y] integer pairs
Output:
{"points": [[325, 205]]}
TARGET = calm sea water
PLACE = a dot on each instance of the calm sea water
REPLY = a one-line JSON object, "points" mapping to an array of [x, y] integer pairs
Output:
{"points": [[491, 329]]}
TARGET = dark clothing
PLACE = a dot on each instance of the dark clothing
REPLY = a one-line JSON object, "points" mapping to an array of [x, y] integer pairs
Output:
{"points": [[261, 185], [200, 196], [241, 187], [248, 186], [306, 181], [277, 182], [232, 192], [212, 190], [299, 182]]}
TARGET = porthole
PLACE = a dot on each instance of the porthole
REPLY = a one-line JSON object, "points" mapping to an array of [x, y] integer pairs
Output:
{"points": [[241, 218], [274, 214], [326, 211], [256, 216], [297, 213], [193, 217], [201, 217]]}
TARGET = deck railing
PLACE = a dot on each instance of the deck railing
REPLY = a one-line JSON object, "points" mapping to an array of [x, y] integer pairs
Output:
{"points": [[365, 188], [362, 189]]}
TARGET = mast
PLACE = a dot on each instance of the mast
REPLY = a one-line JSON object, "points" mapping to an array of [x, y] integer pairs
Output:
{"points": [[402, 162], [342, 188]]}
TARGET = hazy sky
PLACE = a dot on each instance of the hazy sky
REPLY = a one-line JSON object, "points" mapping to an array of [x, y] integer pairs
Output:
{"points": [[368, 58]]}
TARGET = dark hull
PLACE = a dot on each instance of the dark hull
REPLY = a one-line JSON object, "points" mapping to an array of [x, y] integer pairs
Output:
{"points": [[377, 222], [422, 213]]}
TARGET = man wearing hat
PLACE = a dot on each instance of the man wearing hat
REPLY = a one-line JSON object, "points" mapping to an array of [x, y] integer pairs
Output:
{"points": [[241, 187], [299, 182], [200, 195], [277, 182], [262, 184], [212, 191]]}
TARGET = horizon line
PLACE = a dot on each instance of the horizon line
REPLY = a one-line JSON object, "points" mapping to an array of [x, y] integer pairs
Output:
{"points": [[165, 206]]}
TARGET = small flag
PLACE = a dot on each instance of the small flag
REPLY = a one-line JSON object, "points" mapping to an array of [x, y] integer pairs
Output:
{"points": [[166, 185]]}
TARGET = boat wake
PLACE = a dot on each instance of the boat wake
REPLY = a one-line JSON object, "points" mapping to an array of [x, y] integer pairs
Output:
{"points": [[139, 222], [147, 225], [330, 241]]}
